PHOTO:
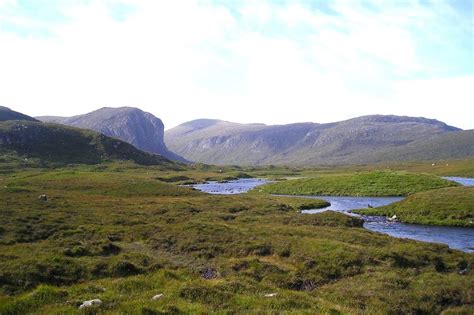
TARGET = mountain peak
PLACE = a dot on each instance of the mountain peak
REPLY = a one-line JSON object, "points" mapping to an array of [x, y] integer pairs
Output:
{"points": [[8, 114], [139, 128], [398, 120], [364, 139]]}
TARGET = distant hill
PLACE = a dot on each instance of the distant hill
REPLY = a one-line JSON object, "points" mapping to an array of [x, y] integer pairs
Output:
{"points": [[451, 145], [8, 114], [62, 144], [364, 139], [141, 129]]}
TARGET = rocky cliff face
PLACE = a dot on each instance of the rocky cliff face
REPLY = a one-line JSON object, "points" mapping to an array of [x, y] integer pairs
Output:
{"points": [[141, 129], [65, 145], [364, 139]]}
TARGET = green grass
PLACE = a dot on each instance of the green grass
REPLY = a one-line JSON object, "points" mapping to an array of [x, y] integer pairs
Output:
{"points": [[378, 183], [447, 206], [58, 144], [120, 233]]}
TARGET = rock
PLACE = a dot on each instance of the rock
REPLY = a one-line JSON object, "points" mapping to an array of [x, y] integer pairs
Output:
{"points": [[91, 303], [270, 295], [209, 273], [43, 198], [393, 218], [157, 297]]}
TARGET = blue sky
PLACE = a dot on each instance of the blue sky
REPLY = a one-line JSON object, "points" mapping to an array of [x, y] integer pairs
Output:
{"points": [[246, 61]]}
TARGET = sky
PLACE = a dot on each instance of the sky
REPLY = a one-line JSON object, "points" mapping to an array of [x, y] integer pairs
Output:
{"points": [[272, 62]]}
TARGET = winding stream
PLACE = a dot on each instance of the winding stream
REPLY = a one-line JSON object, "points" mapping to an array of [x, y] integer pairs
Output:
{"points": [[455, 237], [461, 180]]}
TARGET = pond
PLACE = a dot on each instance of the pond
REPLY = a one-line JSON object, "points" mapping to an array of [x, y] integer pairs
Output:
{"points": [[455, 237]]}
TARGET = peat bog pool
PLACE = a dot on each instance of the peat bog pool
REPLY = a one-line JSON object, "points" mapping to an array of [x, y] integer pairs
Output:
{"points": [[461, 238]]}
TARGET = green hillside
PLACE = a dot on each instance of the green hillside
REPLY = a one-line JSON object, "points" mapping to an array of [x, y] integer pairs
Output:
{"points": [[8, 114], [61, 144]]}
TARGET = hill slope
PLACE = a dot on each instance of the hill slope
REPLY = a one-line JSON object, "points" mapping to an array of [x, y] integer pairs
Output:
{"points": [[62, 144], [8, 114], [359, 140], [141, 129]]}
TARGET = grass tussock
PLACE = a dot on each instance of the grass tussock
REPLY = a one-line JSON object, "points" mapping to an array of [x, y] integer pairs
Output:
{"points": [[448, 206], [120, 233], [378, 183]]}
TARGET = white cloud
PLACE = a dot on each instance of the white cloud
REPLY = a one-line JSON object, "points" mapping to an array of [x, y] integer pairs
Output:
{"points": [[183, 60]]}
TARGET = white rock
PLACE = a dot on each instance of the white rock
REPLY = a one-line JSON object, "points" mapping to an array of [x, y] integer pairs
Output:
{"points": [[393, 219], [270, 295], [95, 302], [157, 297]]}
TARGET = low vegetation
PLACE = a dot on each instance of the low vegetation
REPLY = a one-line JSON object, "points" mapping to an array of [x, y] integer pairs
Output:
{"points": [[377, 183], [447, 206], [124, 233], [58, 144]]}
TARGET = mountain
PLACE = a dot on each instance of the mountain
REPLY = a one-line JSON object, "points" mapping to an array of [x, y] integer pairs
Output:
{"points": [[366, 139], [451, 145], [132, 125], [63, 144], [8, 114]]}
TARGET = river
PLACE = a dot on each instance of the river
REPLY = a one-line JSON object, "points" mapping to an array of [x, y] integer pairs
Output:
{"points": [[461, 238]]}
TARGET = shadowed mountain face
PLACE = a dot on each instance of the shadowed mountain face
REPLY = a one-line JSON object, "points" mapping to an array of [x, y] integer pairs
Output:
{"points": [[360, 140], [65, 145], [132, 125], [8, 114]]}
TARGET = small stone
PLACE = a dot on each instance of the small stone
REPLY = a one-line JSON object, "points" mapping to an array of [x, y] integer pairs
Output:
{"points": [[95, 302], [157, 297], [209, 273], [393, 218]]}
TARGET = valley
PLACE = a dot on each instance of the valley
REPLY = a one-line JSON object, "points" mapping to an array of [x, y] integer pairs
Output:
{"points": [[86, 217]]}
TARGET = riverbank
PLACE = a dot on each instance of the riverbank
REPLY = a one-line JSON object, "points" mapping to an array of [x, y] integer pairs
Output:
{"points": [[452, 206], [368, 184], [123, 236]]}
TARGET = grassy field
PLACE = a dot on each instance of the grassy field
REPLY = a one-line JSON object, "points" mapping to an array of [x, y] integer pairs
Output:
{"points": [[124, 233], [377, 183], [447, 206]]}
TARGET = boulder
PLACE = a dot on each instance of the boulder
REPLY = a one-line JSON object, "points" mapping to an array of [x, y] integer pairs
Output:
{"points": [[157, 297], [91, 303]]}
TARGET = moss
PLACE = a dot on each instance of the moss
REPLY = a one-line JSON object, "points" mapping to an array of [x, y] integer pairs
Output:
{"points": [[122, 236], [447, 206], [379, 183]]}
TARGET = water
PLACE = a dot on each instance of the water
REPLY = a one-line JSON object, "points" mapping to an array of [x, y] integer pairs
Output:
{"points": [[461, 180], [345, 204], [455, 237], [461, 238], [238, 186]]}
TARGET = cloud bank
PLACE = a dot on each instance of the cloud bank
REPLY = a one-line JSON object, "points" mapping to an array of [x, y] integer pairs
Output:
{"points": [[244, 61]]}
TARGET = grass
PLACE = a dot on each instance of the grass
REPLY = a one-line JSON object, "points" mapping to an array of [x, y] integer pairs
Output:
{"points": [[448, 206], [120, 233], [377, 183], [58, 144]]}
